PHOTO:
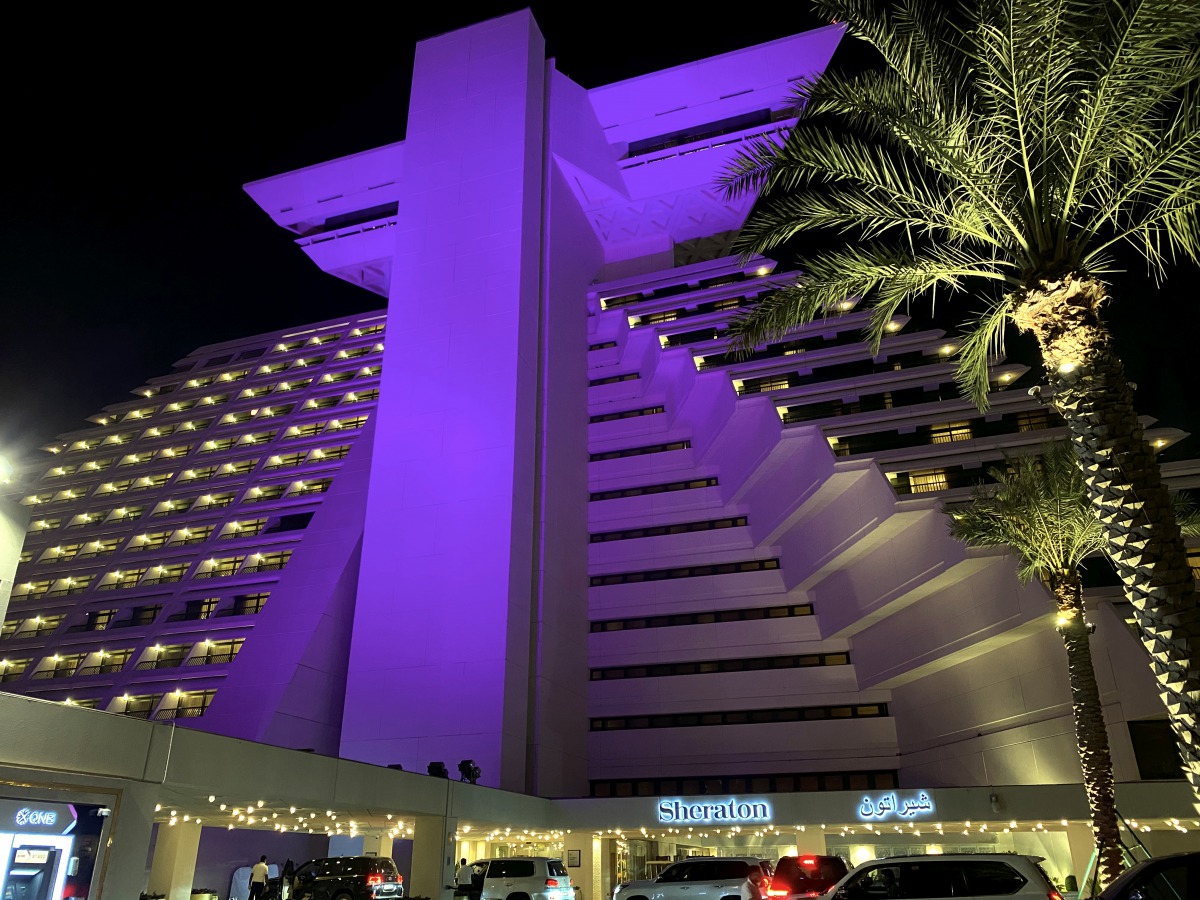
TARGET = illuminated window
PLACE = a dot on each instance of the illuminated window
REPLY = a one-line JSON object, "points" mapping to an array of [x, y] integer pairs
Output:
{"points": [[197, 534], [286, 460], [928, 480], [150, 541], [1033, 420], [263, 494], [244, 528], [126, 513], [61, 553], [217, 445], [217, 652], [347, 424], [168, 574], [268, 562], [124, 578], [59, 666], [954, 431], [220, 568], [213, 501], [188, 705], [250, 604], [146, 482], [92, 549], [315, 486], [138, 707], [259, 437], [12, 669], [301, 431]]}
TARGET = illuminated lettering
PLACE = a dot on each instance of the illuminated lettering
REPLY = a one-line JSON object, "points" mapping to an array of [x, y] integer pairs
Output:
{"points": [[27, 816], [731, 810], [886, 805]]}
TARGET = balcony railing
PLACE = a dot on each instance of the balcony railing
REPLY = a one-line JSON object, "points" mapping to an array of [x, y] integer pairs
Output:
{"points": [[147, 664], [212, 659], [179, 712]]}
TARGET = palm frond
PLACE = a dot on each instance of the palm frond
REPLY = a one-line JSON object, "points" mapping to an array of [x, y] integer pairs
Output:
{"points": [[982, 344], [1038, 508], [884, 276]]}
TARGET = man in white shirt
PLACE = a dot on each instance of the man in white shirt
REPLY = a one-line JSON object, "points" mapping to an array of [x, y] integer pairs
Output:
{"points": [[462, 879], [258, 878]]}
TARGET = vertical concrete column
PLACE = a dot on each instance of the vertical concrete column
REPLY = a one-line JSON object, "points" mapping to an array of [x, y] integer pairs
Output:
{"points": [[433, 858], [585, 876], [174, 863], [123, 865]]}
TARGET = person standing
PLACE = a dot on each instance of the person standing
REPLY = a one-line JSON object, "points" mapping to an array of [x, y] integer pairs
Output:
{"points": [[258, 878], [462, 878]]}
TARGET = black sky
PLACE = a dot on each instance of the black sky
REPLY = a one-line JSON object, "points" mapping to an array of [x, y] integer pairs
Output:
{"points": [[128, 240]]}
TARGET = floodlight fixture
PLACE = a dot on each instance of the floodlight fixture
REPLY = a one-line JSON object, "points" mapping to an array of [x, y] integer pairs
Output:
{"points": [[438, 770], [469, 771]]}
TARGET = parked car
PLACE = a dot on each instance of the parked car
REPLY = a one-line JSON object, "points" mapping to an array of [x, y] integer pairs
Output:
{"points": [[703, 878], [965, 876], [1176, 875], [521, 878], [806, 875], [347, 878]]}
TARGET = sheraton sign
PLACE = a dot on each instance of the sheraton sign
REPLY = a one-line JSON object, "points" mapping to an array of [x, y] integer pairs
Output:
{"points": [[675, 812]]}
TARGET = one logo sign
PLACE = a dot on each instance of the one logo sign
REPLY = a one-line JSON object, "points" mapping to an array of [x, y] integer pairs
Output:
{"points": [[26, 816], [731, 810], [877, 809]]}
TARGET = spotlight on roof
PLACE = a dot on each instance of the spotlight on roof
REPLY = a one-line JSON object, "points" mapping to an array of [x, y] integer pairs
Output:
{"points": [[438, 770], [469, 771]]}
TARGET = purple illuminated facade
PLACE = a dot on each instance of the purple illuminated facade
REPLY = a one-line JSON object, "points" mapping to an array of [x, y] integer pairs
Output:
{"points": [[530, 514]]}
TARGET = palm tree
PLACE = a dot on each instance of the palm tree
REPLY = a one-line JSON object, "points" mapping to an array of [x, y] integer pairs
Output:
{"points": [[1004, 151], [1038, 508]]}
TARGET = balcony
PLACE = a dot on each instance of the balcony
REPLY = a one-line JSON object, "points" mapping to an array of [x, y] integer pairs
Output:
{"points": [[148, 664], [179, 712]]}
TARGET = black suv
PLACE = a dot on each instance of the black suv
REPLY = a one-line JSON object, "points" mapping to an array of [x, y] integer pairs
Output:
{"points": [[805, 875], [347, 878]]}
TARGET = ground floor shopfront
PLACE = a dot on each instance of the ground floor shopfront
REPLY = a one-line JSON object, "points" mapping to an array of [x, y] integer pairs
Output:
{"points": [[119, 806]]}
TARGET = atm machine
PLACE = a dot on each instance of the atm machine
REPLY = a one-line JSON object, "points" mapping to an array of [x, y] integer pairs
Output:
{"points": [[31, 872]]}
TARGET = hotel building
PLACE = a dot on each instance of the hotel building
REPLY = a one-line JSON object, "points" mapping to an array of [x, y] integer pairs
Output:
{"points": [[531, 513]]}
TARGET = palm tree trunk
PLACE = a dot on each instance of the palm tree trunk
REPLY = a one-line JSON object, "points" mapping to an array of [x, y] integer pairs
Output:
{"points": [[1125, 487], [1091, 735]]}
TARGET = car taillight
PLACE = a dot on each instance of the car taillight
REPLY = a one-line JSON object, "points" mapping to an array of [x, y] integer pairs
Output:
{"points": [[399, 879], [808, 862], [553, 882], [375, 879], [779, 889], [1054, 895]]}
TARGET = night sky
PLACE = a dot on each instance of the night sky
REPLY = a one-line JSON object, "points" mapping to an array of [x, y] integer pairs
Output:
{"points": [[128, 240]]}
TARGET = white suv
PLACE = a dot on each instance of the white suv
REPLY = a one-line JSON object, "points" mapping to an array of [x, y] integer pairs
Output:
{"points": [[703, 878], [964, 876], [522, 878]]}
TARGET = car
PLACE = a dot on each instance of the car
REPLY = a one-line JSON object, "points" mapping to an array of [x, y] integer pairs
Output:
{"points": [[521, 878], [806, 875], [703, 878], [967, 876], [1170, 876], [347, 878]]}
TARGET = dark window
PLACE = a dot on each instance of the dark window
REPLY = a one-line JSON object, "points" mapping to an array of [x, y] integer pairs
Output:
{"points": [[992, 877], [1156, 750], [510, 868]]}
